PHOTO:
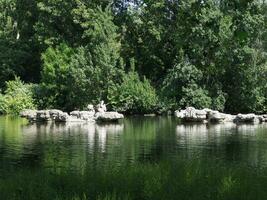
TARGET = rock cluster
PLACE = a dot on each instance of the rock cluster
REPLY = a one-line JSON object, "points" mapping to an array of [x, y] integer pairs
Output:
{"points": [[92, 114], [191, 114]]}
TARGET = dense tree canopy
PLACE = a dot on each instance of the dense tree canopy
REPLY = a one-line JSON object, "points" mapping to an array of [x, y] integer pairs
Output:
{"points": [[204, 53]]}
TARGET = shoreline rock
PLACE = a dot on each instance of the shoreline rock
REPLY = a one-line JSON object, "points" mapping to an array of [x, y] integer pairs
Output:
{"points": [[108, 116], [192, 114], [247, 118], [99, 114], [90, 115]]}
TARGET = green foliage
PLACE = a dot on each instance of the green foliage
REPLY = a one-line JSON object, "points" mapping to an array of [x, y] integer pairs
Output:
{"points": [[64, 65], [218, 100], [19, 54], [101, 40], [17, 97], [55, 23], [224, 40], [206, 179], [90, 69], [54, 75], [181, 86], [195, 96], [133, 95], [3, 104], [70, 80]]}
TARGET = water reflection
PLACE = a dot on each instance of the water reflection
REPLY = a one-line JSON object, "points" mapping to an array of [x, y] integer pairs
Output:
{"points": [[228, 142], [135, 140], [204, 132], [61, 132], [55, 146], [140, 154]]}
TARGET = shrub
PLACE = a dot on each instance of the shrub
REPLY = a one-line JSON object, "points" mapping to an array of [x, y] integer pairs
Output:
{"points": [[17, 97], [74, 77], [3, 104], [70, 80], [133, 95], [54, 85], [181, 87], [195, 96], [219, 100]]}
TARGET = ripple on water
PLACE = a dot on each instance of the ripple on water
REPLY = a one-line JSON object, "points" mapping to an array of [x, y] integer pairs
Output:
{"points": [[146, 140]]}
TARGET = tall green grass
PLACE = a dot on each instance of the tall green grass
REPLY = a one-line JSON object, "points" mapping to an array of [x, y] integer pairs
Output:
{"points": [[179, 179]]}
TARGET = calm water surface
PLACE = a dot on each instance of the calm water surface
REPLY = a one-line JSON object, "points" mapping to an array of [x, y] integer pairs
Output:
{"points": [[139, 158]]}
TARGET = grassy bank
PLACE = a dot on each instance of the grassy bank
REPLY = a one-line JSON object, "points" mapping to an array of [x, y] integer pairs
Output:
{"points": [[166, 180]]}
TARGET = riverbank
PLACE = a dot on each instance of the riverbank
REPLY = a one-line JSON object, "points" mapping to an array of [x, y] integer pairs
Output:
{"points": [[99, 114]]}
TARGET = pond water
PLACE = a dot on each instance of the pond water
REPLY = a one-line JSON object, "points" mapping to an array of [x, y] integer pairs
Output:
{"points": [[139, 158]]}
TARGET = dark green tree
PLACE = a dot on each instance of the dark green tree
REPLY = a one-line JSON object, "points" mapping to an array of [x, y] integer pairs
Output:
{"points": [[19, 52], [91, 69]]}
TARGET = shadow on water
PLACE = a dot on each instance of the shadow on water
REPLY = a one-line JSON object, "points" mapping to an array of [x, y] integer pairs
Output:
{"points": [[140, 158]]}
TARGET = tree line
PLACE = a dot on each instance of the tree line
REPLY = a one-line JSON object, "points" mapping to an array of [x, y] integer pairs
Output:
{"points": [[138, 55]]}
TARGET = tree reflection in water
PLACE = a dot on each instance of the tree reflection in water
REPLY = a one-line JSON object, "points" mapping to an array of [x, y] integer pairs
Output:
{"points": [[140, 158]]}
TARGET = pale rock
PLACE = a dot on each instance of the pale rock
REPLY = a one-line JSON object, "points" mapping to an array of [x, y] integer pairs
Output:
{"points": [[75, 114], [194, 115], [87, 115], [63, 117], [43, 115], [55, 114], [179, 114], [191, 114], [229, 117], [263, 118], [247, 118], [108, 116], [218, 117], [29, 114]]}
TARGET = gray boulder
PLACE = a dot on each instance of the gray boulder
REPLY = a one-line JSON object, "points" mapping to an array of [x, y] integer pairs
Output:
{"points": [[87, 115], [83, 115], [76, 116], [55, 114], [62, 117], [108, 116], [229, 117], [217, 117], [180, 114], [191, 114], [43, 115], [263, 118], [75, 113], [29, 114], [247, 118]]}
